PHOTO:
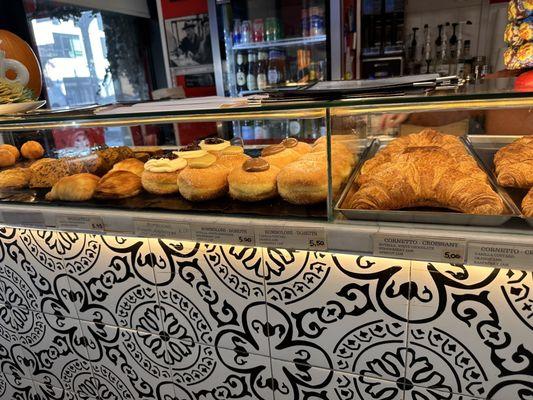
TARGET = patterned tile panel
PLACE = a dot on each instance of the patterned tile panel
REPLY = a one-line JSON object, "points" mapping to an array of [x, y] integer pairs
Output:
{"points": [[86, 317]]}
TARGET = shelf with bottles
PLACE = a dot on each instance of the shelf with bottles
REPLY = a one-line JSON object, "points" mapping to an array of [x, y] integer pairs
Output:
{"points": [[287, 42]]}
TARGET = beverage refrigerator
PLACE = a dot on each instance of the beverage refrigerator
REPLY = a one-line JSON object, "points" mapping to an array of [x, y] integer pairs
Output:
{"points": [[272, 44]]}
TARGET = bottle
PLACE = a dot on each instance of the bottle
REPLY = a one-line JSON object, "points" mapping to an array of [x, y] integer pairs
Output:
{"points": [[237, 31], [426, 50], [246, 31], [247, 130], [316, 18], [442, 65], [262, 66], [303, 61], [241, 72], [276, 68], [259, 131], [295, 128], [305, 18], [251, 79]]}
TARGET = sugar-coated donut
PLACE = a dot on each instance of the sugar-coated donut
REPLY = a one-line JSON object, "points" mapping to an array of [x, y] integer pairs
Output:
{"points": [[203, 179], [279, 155], [300, 147], [214, 145], [254, 181], [232, 157], [11, 149], [7, 159], [32, 150]]}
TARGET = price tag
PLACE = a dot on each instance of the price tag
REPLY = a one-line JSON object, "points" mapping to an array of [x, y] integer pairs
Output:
{"points": [[421, 248], [16, 218], [501, 256], [238, 235], [162, 229], [292, 238], [80, 222]]}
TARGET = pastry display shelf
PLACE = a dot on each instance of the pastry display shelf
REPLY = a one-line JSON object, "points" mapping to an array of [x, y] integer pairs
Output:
{"points": [[289, 42], [510, 246]]}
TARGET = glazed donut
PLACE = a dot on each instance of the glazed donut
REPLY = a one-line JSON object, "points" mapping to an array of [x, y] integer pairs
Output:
{"points": [[254, 181], [203, 179], [32, 150]]}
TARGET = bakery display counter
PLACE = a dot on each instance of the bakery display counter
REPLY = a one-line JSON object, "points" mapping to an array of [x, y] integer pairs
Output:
{"points": [[343, 175]]}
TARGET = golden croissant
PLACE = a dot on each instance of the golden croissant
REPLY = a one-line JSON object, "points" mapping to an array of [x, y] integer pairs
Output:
{"points": [[527, 204], [514, 164], [427, 177], [79, 187], [425, 138]]}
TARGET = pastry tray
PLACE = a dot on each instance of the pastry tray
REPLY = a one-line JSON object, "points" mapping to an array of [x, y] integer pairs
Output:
{"points": [[425, 215], [485, 147]]}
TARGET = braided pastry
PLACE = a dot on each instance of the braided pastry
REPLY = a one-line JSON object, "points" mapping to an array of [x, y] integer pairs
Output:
{"points": [[427, 177], [514, 164]]}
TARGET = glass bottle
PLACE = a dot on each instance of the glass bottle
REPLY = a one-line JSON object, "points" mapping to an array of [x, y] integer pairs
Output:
{"points": [[251, 78]]}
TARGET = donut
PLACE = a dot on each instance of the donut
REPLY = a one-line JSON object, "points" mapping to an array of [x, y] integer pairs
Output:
{"points": [[279, 155], [214, 145], [160, 175], [232, 157], [254, 181], [203, 179], [300, 147]]}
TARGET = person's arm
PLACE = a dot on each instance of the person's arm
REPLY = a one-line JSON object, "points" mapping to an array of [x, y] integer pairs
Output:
{"points": [[435, 118]]}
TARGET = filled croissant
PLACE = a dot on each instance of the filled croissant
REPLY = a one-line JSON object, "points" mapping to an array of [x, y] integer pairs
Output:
{"points": [[79, 187], [428, 176], [514, 164]]}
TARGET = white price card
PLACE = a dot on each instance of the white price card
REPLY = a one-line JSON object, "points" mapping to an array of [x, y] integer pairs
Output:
{"points": [[500, 255], [292, 237], [162, 229], [89, 223], [29, 218], [419, 248], [238, 235]]}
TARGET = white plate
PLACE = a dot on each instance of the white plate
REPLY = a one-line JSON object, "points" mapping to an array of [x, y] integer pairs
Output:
{"points": [[13, 108]]}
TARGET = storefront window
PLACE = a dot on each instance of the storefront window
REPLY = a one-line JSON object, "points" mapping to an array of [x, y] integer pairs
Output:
{"points": [[88, 56]]}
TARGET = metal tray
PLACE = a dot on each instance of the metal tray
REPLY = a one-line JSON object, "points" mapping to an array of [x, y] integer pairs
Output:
{"points": [[424, 214], [485, 148]]}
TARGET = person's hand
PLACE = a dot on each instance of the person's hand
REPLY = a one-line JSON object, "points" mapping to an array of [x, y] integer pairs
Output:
{"points": [[392, 120]]}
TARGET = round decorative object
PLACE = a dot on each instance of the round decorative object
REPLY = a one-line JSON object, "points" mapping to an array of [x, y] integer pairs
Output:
{"points": [[18, 51]]}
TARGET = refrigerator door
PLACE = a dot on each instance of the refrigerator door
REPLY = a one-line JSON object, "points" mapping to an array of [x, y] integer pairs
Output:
{"points": [[265, 44]]}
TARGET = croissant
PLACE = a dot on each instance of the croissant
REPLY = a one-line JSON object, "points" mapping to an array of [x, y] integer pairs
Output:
{"points": [[118, 185], [514, 164], [425, 138], [79, 187], [527, 204], [427, 177]]}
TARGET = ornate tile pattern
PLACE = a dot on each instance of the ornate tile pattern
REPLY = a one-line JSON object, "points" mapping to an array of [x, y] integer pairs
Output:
{"points": [[87, 317]]}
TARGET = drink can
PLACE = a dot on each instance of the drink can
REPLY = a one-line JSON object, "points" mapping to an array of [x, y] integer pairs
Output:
{"points": [[237, 31], [246, 32], [258, 34]]}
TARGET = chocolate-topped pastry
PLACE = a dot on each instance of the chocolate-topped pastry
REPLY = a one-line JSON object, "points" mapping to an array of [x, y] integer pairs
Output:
{"points": [[168, 156], [191, 147], [290, 142], [279, 155], [232, 157], [256, 165], [191, 151], [255, 181], [272, 149]]}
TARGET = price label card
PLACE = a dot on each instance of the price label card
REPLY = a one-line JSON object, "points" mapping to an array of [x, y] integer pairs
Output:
{"points": [[498, 255], [238, 235], [292, 238], [417, 247], [80, 222], [162, 229], [24, 218]]}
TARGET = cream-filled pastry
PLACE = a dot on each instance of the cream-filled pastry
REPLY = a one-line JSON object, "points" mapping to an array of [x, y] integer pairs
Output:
{"points": [[279, 155], [299, 147], [191, 151], [160, 175], [214, 145], [232, 157]]}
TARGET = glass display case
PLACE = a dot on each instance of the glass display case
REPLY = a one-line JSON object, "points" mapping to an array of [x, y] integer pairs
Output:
{"points": [[117, 169]]}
